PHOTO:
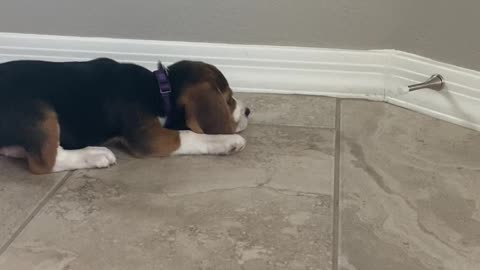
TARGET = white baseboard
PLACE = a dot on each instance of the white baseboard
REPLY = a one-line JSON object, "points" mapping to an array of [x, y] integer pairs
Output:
{"points": [[458, 103], [288, 70]]}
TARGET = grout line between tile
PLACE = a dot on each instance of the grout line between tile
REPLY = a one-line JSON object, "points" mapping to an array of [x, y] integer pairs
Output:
{"points": [[286, 125], [336, 189], [34, 212]]}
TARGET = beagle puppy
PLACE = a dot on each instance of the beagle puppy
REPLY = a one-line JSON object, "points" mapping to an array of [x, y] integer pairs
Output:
{"points": [[56, 115]]}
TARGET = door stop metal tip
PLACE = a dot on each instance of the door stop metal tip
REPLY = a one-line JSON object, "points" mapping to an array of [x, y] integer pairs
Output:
{"points": [[435, 82]]}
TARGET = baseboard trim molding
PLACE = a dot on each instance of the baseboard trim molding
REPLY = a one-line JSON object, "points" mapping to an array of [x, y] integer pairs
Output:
{"points": [[373, 75], [458, 103]]}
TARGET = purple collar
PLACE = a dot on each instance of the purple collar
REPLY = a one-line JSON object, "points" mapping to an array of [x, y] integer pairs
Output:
{"points": [[165, 90]]}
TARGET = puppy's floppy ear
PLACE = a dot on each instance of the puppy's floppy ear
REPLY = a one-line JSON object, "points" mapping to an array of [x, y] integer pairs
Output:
{"points": [[206, 110]]}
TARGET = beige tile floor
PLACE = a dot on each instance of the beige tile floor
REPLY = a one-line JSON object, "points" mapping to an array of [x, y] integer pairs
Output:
{"points": [[365, 184]]}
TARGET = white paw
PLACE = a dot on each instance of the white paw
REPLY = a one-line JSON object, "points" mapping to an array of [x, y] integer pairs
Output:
{"points": [[238, 144], [229, 144], [99, 157], [202, 144]]}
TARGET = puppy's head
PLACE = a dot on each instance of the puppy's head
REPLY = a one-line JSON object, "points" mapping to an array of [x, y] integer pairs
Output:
{"points": [[207, 99]]}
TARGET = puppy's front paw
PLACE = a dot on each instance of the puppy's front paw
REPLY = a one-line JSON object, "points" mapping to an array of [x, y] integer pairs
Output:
{"points": [[235, 144], [227, 144], [99, 157], [202, 144]]}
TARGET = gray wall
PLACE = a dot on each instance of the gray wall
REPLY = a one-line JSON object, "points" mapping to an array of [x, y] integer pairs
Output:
{"points": [[447, 34], [450, 32]]}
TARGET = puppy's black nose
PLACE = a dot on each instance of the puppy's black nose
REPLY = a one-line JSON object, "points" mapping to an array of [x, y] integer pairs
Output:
{"points": [[247, 112]]}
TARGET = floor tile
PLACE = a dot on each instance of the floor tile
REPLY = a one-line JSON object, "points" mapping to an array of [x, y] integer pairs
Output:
{"points": [[292, 158], [268, 207], [20, 192], [292, 110], [410, 191]]}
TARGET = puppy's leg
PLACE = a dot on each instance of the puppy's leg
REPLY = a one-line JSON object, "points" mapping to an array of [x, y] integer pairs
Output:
{"points": [[30, 130], [153, 140], [45, 155], [41, 146], [198, 144], [86, 158]]}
